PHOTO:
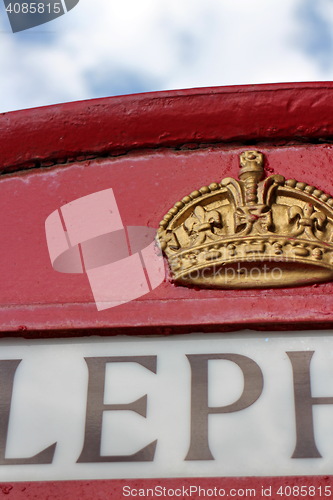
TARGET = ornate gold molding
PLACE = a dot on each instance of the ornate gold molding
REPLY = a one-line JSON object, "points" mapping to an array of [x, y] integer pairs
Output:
{"points": [[250, 233]]}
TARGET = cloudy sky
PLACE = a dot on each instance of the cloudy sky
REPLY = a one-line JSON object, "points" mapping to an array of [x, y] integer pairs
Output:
{"points": [[113, 47]]}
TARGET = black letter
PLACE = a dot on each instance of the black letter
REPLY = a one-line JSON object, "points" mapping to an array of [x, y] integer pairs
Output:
{"points": [[95, 406], [253, 385], [7, 374], [305, 441]]}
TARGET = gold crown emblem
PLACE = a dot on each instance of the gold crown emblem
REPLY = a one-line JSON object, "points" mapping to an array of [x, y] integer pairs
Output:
{"points": [[250, 233]]}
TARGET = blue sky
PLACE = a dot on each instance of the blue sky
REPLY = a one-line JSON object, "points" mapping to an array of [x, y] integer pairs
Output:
{"points": [[107, 47]]}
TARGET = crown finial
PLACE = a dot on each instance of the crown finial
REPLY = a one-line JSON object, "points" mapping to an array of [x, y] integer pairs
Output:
{"points": [[251, 173]]}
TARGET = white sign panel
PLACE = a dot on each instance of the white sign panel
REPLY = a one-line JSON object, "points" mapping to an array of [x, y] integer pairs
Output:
{"points": [[242, 404]]}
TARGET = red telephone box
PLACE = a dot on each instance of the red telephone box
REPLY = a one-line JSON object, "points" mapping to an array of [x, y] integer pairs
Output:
{"points": [[84, 188]]}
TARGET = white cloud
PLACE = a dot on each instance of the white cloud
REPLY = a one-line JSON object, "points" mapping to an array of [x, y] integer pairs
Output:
{"points": [[107, 47]]}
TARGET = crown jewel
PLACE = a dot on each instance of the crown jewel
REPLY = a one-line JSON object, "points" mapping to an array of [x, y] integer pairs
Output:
{"points": [[250, 232]]}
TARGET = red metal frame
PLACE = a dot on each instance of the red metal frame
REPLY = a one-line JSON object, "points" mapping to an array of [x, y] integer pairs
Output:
{"points": [[242, 114], [275, 488]]}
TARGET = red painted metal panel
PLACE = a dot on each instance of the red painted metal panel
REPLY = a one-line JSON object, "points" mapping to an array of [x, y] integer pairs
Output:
{"points": [[35, 297], [275, 488]]}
